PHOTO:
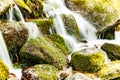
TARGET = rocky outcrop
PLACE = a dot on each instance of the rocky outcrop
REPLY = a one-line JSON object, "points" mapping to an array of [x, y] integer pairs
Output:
{"points": [[40, 72], [112, 50], [15, 35], [110, 71], [42, 50], [87, 62]]}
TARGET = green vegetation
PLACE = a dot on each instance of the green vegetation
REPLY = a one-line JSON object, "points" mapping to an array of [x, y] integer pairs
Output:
{"points": [[87, 62]]}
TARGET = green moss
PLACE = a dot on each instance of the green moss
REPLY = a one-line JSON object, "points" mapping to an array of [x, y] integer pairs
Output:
{"points": [[46, 72], [113, 50], [42, 50], [87, 62], [59, 42], [44, 24], [110, 71], [4, 72]]}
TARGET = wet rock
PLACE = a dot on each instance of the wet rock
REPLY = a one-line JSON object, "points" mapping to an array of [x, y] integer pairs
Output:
{"points": [[15, 35], [12, 77], [101, 14], [87, 62], [112, 50], [40, 72], [71, 26], [42, 50], [36, 8], [4, 71], [110, 71], [59, 42], [4, 6], [44, 25]]}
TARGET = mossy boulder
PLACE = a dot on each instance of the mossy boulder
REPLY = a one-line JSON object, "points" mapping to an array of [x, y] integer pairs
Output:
{"points": [[34, 10], [59, 42], [87, 62], [4, 6], [4, 71], [71, 25], [110, 71], [112, 50], [44, 25], [101, 13], [15, 35], [40, 72], [42, 50]]}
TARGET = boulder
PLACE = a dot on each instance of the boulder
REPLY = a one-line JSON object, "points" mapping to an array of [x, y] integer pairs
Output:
{"points": [[15, 35], [4, 71], [112, 50], [40, 72], [71, 25], [36, 9], [87, 62], [110, 71], [42, 50]]}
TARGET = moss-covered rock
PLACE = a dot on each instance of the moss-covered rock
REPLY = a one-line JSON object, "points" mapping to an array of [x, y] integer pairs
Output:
{"points": [[110, 71], [101, 13], [59, 42], [87, 62], [4, 71], [15, 35], [42, 50], [40, 72], [71, 25], [44, 24], [36, 8], [112, 50], [4, 6]]}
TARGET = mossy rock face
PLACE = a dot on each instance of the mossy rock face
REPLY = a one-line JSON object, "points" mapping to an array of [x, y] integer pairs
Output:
{"points": [[15, 35], [71, 25], [42, 50], [40, 72], [44, 25], [112, 50], [101, 13], [87, 62], [110, 71], [36, 8], [4, 71], [4, 6], [59, 42]]}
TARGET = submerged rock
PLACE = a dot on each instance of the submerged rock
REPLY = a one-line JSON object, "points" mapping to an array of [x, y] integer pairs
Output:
{"points": [[36, 8], [40, 72], [87, 62], [71, 26], [110, 71], [112, 50], [15, 35], [42, 50], [59, 42], [4, 71]]}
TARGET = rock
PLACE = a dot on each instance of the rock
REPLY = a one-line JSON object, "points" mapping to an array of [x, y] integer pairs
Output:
{"points": [[110, 71], [87, 62], [112, 50], [40, 72], [59, 42], [36, 8], [71, 26], [42, 50], [4, 6], [100, 13], [12, 77], [15, 35], [4, 71], [44, 25]]}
